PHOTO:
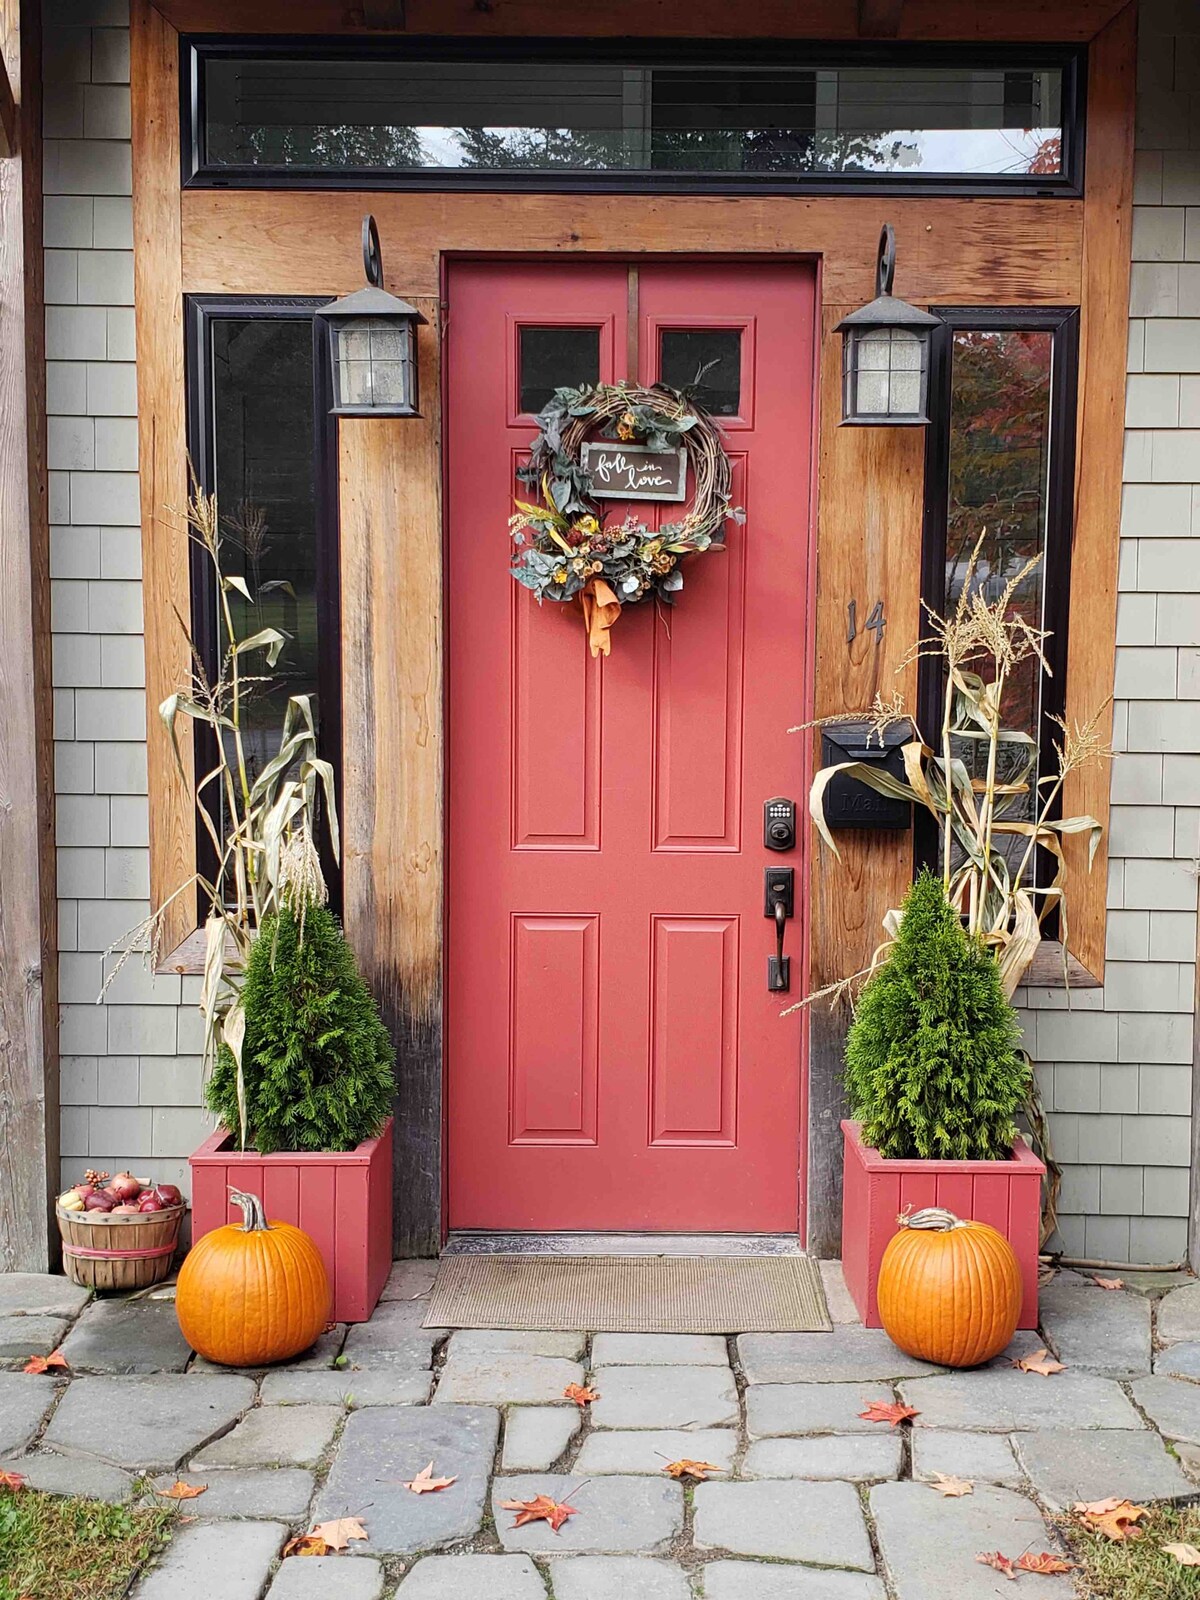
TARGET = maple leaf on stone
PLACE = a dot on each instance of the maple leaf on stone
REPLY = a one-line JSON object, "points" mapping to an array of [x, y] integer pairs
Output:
{"points": [[305, 1544], [686, 1468], [951, 1487], [540, 1509], [54, 1362], [1109, 1283], [893, 1411], [338, 1533], [1040, 1361], [11, 1480], [583, 1394], [426, 1483], [1045, 1563], [1186, 1554], [1115, 1518], [993, 1558], [182, 1491]]}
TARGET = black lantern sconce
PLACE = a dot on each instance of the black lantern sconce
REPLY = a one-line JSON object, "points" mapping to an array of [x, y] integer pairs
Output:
{"points": [[885, 353], [373, 344]]}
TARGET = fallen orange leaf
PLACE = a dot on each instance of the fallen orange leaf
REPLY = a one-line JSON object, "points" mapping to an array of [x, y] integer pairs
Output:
{"points": [[582, 1394], [951, 1487], [993, 1558], [1186, 1554], [1040, 1361], [11, 1480], [1045, 1563], [305, 1544], [687, 1468], [540, 1509], [1115, 1518], [888, 1411], [182, 1491], [426, 1483], [337, 1534], [54, 1362], [1109, 1283]]}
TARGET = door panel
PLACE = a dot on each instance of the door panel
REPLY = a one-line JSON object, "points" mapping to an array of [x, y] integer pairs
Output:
{"points": [[614, 1058]]}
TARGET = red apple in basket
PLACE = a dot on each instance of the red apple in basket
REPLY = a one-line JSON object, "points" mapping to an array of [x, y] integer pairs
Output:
{"points": [[125, 1187], [150, 1203], [98, 1201], [167, 1194]]}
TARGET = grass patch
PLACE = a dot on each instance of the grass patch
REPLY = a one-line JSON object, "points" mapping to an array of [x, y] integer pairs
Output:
{"points": [[1139, 1569], [55, 1547]]}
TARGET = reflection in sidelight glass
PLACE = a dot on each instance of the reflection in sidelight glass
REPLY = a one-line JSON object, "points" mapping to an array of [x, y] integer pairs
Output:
{"points": [[556, 358], [264, 475], [707, 361], [999, 462]]}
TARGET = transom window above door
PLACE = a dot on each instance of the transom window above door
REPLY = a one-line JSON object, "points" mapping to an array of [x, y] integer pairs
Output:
{"points": [[633, 114]]}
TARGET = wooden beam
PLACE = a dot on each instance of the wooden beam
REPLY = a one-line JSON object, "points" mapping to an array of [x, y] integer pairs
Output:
{"points": [[870, 495], [964, 252], [391, 544], [1020, 21], [383, 14], [880, 19], [1104, 298], [162, 446], [8, 113], [29, 1166]]}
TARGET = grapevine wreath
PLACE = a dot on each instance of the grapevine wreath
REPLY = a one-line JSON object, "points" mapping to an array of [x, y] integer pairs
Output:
{"points": [[563, 547]]}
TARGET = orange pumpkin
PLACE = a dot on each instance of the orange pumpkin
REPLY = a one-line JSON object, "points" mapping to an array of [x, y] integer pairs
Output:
{"points": [[252, 1294], [949, 1291]]}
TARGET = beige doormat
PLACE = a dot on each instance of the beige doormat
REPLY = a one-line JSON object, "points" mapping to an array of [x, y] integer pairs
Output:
{"points": [[630, 1294]]}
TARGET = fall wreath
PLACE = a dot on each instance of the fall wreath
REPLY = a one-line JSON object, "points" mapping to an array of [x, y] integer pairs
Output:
{"points": [[567, 548]]}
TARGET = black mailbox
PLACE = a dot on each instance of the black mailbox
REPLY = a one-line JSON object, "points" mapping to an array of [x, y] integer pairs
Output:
{"points": [[849, 803]]}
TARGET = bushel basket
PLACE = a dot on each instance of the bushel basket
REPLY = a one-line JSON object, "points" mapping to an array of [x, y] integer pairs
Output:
{"points": [[106, 1252]]}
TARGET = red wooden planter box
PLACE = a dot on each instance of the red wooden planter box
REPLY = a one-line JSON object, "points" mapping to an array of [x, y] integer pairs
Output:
{"points": [[1008, 1194], [343, 1201]]}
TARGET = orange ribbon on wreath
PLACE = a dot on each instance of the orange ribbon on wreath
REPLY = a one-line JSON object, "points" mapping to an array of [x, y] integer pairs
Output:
{"points": [[601, 608]]}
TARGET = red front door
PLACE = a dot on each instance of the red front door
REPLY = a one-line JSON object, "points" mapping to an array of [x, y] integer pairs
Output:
{"points": [[615, 1060]]}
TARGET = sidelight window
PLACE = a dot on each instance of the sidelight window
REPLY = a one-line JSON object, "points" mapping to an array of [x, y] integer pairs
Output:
{"points": [[633, 114], [259, 438], [999, 468]]}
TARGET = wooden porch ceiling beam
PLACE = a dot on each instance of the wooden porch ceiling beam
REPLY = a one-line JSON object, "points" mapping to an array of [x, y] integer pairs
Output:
{"points": [[880, 19], [1017, 21]]}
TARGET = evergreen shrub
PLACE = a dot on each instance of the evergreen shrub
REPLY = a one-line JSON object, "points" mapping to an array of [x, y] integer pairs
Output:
{"points": [[317, 1061], [933, 1068]]}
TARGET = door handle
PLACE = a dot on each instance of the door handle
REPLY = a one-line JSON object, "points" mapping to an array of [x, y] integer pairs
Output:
{"points": [[779, 904]]}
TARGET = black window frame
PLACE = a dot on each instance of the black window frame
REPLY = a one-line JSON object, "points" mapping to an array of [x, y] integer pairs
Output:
{"points": [[1062, 323], [195, 50], [200, 313]]}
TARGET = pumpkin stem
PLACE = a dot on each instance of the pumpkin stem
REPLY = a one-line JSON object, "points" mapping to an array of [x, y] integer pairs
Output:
{"points": [[934, 1218], [254, 1218]]}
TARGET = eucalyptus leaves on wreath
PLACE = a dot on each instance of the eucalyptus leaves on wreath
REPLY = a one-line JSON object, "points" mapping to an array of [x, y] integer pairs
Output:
{"points": [[564, 548]]}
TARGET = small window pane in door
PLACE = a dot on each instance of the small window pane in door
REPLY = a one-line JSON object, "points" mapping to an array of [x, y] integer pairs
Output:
{"points": [[709, 362], [554, 358]]}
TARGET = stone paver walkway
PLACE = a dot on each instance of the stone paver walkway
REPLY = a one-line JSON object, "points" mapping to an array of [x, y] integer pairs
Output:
{"points": [[810, 1501]]}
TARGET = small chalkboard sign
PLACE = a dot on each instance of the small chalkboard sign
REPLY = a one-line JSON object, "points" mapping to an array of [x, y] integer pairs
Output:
{"points": [[634, 471]]}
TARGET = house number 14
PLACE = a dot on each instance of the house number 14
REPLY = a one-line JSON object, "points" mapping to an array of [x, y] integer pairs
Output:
{"points": [[875, 623]]}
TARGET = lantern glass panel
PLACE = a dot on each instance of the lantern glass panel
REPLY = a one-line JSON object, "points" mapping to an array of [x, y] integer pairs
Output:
{"points": [[373, 363], [887, 377]]}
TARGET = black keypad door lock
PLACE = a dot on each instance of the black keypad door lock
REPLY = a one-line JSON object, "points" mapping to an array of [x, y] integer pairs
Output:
{"points": [[779, 824]]}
